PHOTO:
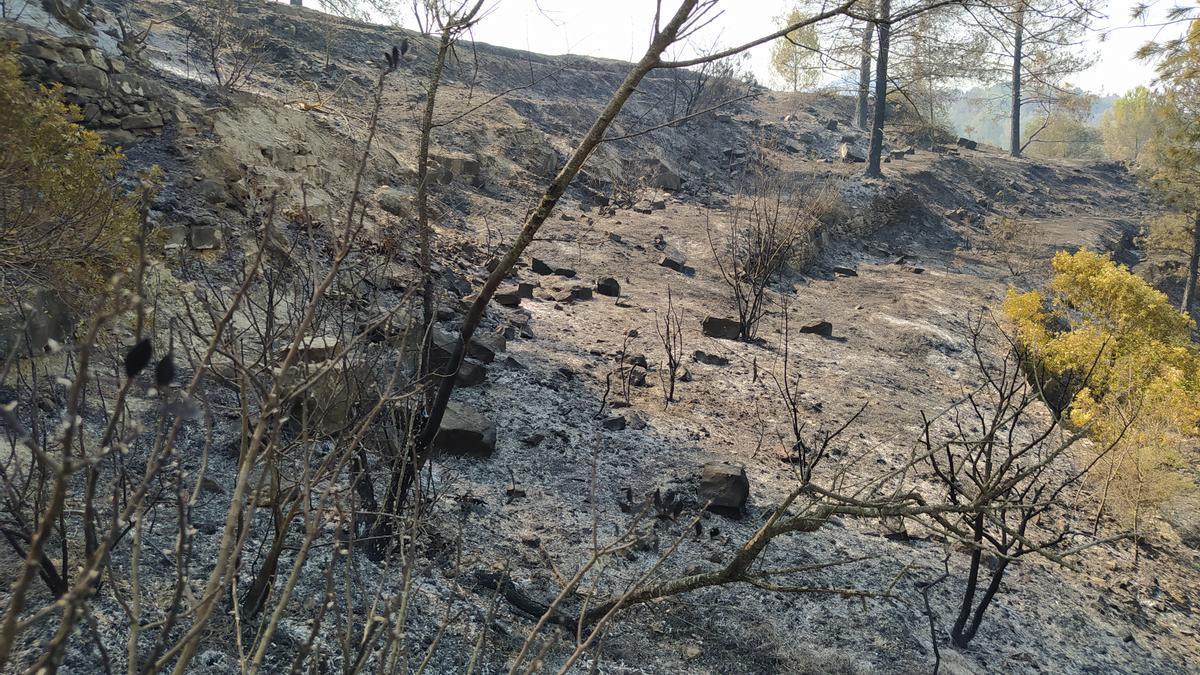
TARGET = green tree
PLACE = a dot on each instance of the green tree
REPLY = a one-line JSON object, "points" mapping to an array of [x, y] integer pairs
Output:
{"points": [[795, 57], [65, 222], [1062, 130], [1128, 125], [1173, 158], [1131, 368]]}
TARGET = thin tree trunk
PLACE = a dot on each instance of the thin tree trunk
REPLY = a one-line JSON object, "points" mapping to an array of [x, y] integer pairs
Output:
{"points": [[1189, 286], [426, 230], [875, 153], [538, 216], [864, 69], [1014, 127]]}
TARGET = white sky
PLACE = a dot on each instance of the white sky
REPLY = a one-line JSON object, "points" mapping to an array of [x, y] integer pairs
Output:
{"points": [[619, 29]]}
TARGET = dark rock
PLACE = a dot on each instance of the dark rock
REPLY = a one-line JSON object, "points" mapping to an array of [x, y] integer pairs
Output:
{"points": [[710, 359], [485, 347], [822, 328], [616, 423], [673, 259], [724, 329], [508, 296], [608, 286], [465, 431], [539, 266], [845, 271], [565, 272], [724, 487], [84, 76], [967, 143], [832, 125], [148, 120], [470, 373], [204, 237], [638, 360]]}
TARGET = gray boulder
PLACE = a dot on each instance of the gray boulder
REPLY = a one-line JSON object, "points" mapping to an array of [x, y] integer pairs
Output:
{"points": [[465, 431], [723, 329], [725, 488]]}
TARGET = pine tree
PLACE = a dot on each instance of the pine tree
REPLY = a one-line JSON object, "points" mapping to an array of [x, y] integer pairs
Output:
{"points": [[795, 56], [1174, 156]]}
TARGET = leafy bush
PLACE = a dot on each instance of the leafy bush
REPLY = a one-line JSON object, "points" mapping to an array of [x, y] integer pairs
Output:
{"points": [[64, 221], [1133, 355]]}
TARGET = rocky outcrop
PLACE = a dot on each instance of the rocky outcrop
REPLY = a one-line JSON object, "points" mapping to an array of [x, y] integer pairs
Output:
{"points": [[116, 102]]}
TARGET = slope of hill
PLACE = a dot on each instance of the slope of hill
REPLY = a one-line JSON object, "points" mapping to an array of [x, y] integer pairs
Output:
{"points": [[900, 268]]}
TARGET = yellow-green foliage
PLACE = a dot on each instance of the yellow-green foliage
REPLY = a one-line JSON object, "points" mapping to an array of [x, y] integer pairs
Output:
{"points": [[1171, 232], [1142, 397], [64, 220], [1128, 126]]}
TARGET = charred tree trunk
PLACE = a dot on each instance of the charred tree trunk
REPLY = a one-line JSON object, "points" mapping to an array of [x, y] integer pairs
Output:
{"points": [[1014, 127], [426, 230], [1189, 284], [875, 153], [538, 216], [864, 70]]}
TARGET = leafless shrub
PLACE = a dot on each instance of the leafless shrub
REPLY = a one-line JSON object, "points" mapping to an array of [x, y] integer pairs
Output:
{"points": [[670, 333], [1012, 467], [230, 46], [709, 85], [766, 229]]}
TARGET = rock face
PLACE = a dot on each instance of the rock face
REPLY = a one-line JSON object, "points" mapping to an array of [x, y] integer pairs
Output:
{"points": [[724, 487], [465, 431], [118, 103], [723, 329]]}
